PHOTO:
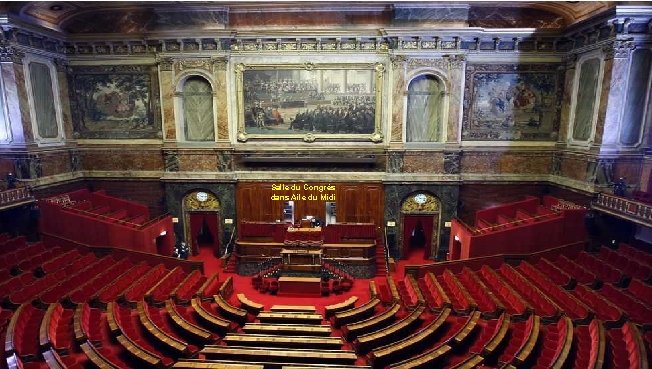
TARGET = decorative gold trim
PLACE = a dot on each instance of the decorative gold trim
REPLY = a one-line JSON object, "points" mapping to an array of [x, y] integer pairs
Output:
{"points": [[191, 203], [411, 206], [375, 137]]}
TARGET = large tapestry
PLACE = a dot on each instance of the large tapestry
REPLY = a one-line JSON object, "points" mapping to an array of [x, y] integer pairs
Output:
{"points": [[309, 101], [512, 102], [113, 102]]}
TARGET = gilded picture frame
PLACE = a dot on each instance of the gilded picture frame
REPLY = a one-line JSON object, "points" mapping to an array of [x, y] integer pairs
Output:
{"points": [[310, 101]]}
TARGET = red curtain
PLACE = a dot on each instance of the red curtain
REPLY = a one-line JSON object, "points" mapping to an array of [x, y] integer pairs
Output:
{"points": [[210, 219], [409, 225]]}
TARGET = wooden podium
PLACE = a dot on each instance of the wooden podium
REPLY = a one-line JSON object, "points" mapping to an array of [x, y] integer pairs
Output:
{"points": [[301, 260]]}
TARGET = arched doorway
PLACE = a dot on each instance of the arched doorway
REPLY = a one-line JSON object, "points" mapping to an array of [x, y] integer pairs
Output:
{"points": [[201, 221], [419, 226]]}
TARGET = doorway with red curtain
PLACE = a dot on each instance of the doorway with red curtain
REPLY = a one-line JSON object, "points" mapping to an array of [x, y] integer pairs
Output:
{"points": [[204, 231], [417, 236]]}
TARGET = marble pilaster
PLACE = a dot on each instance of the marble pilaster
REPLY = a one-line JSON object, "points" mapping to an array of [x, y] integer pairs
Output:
{"points": [[612, 98], [564, 118], [398, 89], [64, 98], [455, 98], [12, 101], [166, 77], [222, 99], [23, 102]]}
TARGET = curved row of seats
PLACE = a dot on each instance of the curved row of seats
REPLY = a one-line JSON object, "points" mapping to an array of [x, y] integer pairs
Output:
{"points": [[136, 332]]}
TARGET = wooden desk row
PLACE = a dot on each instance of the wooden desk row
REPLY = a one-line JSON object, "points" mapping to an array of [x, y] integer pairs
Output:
{"points": [[393, 290], [230, 364], [348, 304], [294, 308], [99, 360], [276, 354], [189, 328], [229, 311], [215, 365], [371, 340], [252, 307], [296, 318], [401, 349], [373, 290], [352, 331], [356, 314], [288, 329], [216, 322], [429, 358], [263, 340], [249, 249], [166, 340]]}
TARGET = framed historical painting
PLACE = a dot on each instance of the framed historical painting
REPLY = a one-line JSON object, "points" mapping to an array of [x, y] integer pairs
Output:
{"points": [[512, 102], [115, 102], [309, 101]]}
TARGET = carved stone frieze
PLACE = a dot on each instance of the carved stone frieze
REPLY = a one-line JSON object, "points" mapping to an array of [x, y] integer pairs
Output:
{"points": [[398, 61], [165, 64], [61, 65], [6, 51], [623, 48], [205, 64], [457, 61], [569, 61], [108, 69], [439, 63]]}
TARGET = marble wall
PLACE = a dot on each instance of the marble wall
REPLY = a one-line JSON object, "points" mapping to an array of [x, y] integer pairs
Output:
{"points": [[122, 161]]}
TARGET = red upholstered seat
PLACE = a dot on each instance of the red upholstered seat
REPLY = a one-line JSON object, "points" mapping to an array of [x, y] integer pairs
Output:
{"points": [[346, 284], [336, 286], [325, 288], [273, 286]]}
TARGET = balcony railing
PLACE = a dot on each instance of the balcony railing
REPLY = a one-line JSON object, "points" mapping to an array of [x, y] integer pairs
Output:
{"points": [[635, 211], [15, 197]]}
